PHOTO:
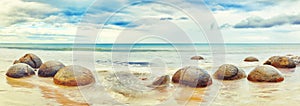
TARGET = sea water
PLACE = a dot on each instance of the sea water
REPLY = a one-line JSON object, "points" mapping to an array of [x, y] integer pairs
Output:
{"points": [[157, 60]]}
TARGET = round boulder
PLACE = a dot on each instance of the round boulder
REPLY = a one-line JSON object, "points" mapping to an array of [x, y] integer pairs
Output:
{"points": [[280, 62], [229, 72], [20, 70], [192, 76], [50, 68], [197, 58], [30, 59], [296, 59], [251, 59], [161, 81], [265, 73], [73, 76]]}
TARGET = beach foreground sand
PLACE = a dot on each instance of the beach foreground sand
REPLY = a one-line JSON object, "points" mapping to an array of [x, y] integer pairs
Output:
{"points": [[42, 91]]}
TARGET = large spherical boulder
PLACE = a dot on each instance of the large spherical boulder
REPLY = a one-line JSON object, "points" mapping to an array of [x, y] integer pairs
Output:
{"points": [[192, 76], [265, 73], [229, 72], [251, 59], [50, 68], [280, 62], [73, 76], [197, 58], [30, 59], [20, 70]]}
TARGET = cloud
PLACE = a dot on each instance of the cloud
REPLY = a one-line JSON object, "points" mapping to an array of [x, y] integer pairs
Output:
{"points": [[17, 11], [244, 5], [258, 22]]}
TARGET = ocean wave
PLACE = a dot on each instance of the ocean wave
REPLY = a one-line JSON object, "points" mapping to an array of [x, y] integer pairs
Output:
{"points": [[98, 49]]}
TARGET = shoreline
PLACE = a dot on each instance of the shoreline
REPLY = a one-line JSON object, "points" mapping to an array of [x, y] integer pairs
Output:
{"points": [[42, 91]]}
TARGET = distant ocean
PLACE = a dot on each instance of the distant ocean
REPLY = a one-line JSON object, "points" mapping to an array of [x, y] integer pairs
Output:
{"points": [[142, 47], [169, 54]]}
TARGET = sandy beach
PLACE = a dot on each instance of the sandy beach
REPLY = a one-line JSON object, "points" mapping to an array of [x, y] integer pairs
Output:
{"points": [[42, 91]]}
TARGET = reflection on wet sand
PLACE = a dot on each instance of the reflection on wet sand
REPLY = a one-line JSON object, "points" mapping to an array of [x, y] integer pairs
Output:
{"points": [[50, 91], [190, 96]]}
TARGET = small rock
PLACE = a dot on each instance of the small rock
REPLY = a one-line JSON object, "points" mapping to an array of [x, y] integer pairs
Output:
{"points": [[192, 76], [280, 62], [229, 72], [162, 81], [251, 59], [265, 73], [73, 76], [30, 59], [296, 59], [20, 70], [197, 58], [50, 68]]}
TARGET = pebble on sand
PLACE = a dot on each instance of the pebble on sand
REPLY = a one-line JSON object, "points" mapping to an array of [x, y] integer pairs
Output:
{"points": [[192, 76], [251, 59], [50, 68], [229, 72], [31, 59], [265, 73], [197, 58], [73, 76], [20, 70]]}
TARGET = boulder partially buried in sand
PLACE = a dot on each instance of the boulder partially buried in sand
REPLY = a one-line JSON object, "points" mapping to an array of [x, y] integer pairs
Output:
{"points": [[296, 59], [251, 59], [192, 76], [73, 76], [162, 81], [50, 68], [280, 62], [20, 70], [197, 58], [229, 72], [265, 73], [30, 59]]}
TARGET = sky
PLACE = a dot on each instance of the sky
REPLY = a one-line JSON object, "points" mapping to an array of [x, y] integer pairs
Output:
{"points": [[150, 21]]}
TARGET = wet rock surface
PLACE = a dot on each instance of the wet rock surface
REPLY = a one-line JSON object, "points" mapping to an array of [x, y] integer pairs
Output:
{"points": [[280, 62], [296, 59], [31, 59], [192, 76], [162, 81], [73, 76], [50, 68], [229, 72], [251, 59], [197, 58], [265, 73], [20, 70]]}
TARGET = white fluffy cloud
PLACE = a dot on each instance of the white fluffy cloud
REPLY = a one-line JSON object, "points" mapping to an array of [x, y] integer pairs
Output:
{"points": [[17, 11], [57, 20]]}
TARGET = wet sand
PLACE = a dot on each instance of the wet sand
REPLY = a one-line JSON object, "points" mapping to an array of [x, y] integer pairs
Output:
{"points": [[37, 91], [43, 92]]}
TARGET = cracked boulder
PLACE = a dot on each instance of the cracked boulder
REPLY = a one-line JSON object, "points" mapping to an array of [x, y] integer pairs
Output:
{"points": [[73, 75], [50, 68], [280, 62], [192, 76], [265, 73], [30, 59], [229, 72], [19, 70]]}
